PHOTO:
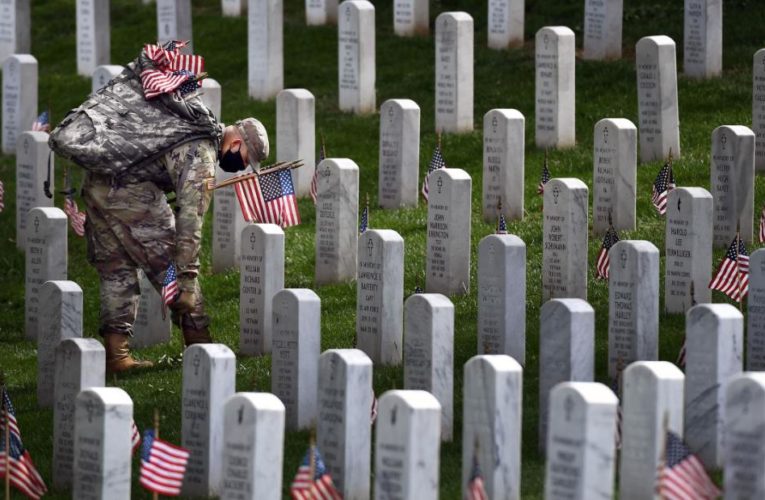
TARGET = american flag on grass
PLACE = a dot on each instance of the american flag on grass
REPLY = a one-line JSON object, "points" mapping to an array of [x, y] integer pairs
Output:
{"points": [[312, 481], [170, 286], [269, 198], [545, 177], [664, 183], [762, 224], [23, 473], [475, 487], [163, 465], [732, 276], [682, 476], [76, 218], [42, 123], [172, 70], [135, 437], [315, 178], [501, 224], [364, 224], [603, 263], [436, 162]]}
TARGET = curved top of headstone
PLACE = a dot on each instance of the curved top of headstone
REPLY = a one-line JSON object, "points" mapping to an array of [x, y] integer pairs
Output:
{"points": [[430, 300], [297, 294], [259, 400], [339, 163], [210, 83], [401, 103], [19, 58], [63, 285], [508, 113], [722, 311], [693, 192], [735, 129], [741, 380], [47, 212], [83, 344], [212, 351], [569, 182], [412, 399], [106, 395], [657, 40], [298, 93], [456, 15], [116, 69], [503, 239], [35, 135], [359, 4], [500, 362], [382, 235], [571, 305], [756, 256], [638, 245], [663, 369], [555, 30], [455, 174], [621, 123], [355, 357], [587, 392], [263, 229]]}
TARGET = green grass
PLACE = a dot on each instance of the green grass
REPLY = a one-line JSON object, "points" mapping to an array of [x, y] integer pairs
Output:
{"points": [[405, 69]]}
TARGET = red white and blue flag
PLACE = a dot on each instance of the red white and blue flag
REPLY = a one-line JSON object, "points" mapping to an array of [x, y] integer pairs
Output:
{"points": [[312, 481], [662, 185], [436, 162], [135, 436], [23, 475], [682, 476], [76, 217], [172, 70], [163, 465], [545, 177], [170, 286], [603, 263], [269, 199], [475, 487], [732, 276], [42, 123]]}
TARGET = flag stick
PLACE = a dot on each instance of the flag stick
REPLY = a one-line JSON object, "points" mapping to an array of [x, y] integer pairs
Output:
{"points": [[663, 455], [155, 495], [7, 430], [210, 185], [312, 454], [738, 273]]}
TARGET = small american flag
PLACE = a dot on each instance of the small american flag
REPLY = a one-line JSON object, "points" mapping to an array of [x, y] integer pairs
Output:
{"points": [[135, 436], [603, 263], [2, 196], [315, 178], [170, 286], [172, 70], [42, 123], [364, 224], [163, 465], [732, 276], [373, 412], [316, 486], [501, 224], [664, 183], [545, 177], [269, 199], [76, 218], [436, 162], [24, 475], [682, 476], [475, 486], [418, 289], [615, 386], [762, 223]]}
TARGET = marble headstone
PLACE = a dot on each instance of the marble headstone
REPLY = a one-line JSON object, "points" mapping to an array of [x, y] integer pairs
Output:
{"points": [[688, 243], [46, 260], [380, 295], [296, 344], [502, 296], [581, 452], [454, 72], [448, 241], [657, 98], [151, 326], [209, 374], [15, 28], [103, 75], [356, 56], [703, 38], [566, 350], [714, 354], [555, 87], [174, 22], [755, 319], [503, 164], [337, 211], [732, 183], [399, 158], [343, 430], [265, 48], [233, 8], [261, 276], [227, 225], [411, 17], [744, 437], [32, 153], [564, 238], [633, 304], [407, 446], [602, 29], [60, 318], [296, 135], [253, 447], [491, 424], [102, 446], [652, 399], [93, 37], [80, 365], [212, 95], [614, 175], [429, 351], [505, 23], [758, 108], [318, 12], [19, 98]]}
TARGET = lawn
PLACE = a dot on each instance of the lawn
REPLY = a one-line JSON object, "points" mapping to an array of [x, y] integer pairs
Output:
{"points": [[405, 69]]}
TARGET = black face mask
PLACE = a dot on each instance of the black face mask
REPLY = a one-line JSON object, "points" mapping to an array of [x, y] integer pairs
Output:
{"points": [[231, 162]]}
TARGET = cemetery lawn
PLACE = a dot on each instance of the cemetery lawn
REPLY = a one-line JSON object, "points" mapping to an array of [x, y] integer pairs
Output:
{"points": [[405, 69]]}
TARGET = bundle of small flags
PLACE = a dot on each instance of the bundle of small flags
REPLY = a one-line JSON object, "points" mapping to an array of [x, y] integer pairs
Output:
{"points": [[23, 473], [315, 179], [312, 481], [545, 177], [732, 276], [269, 199], [42, 123], [682, 475], [664, 183], [603, 262], [170, 286], [172, 71], [475, 487], [76, 218], [163, 465], [436, 162]]}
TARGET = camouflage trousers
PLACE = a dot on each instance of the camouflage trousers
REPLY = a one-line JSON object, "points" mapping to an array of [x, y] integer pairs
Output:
{"points": [[127, 228]]}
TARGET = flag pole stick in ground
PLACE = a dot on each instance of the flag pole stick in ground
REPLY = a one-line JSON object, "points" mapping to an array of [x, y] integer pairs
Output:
{"points": [[155, 495], [738, 273], [7, 431]]}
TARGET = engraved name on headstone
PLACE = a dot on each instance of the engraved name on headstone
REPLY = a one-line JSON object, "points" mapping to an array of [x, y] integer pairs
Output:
{"points": [[703, 38], [505, 23], [356, 56], [19, 98], [614, 176], [454, 72], [755, 318], [411, 17], [227, 225], [503, 164], [32, 154], [265, 48], [296, 135], [602, 29], [399, 158], [555, 88], [758, 107]]}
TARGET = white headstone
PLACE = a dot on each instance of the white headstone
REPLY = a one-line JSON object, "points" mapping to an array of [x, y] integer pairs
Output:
{"points": [[491, 424], [227, 225], [356, 56], [503, 164], [174, 22], [296, 135], [454, 72], [337, 211], [429, 351], [103, 75], [714, 355], [399, 157], [318, 12], [19, 98], [32, 155], [411, 17], [102, 445], [46, 260], [253, 447], [151, 326], [602, 29], [209, 373], [296, 344], [265, 48], [380, 296], [80, 365], [344, 429], [505, 23], [755, 318], [703, 38], [407, 446], [555, 87], [15, 28], [212, 95], [60, 318], [657, 98], [744, 438], [614, 176], [93, 37], [758, 107], [233, 8]]}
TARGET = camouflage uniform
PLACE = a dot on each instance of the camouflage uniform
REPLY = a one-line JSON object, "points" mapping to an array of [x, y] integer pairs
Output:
{"points": [[130, 225]]}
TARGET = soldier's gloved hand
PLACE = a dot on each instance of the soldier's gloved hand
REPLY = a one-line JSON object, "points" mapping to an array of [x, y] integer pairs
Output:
{"points": [[185, 303]]}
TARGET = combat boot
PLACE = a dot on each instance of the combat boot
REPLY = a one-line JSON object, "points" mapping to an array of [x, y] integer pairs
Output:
{"points": [[118, 358], [193, 336]]}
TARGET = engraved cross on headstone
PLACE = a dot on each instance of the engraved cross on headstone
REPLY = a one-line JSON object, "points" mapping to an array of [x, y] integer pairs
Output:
{"points": [[439, 183], [556, 193], [746, 398], [494, 124], [195, 363], [393, 415], [605, 135], [546, 40], [37, 224], [26, 146], [253, 238], [390, 114], [240, 414], [90, 407], [623, 258], [723, 140]]}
